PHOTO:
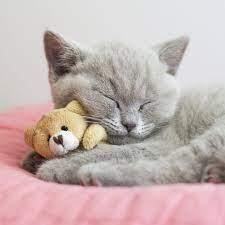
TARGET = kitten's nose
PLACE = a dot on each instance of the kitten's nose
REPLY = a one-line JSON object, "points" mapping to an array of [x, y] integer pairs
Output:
{"points": [[129, 126], [58, 140]]}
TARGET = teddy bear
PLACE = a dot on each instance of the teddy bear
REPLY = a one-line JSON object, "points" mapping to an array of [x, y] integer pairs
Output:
{"points": [[62, 130]]}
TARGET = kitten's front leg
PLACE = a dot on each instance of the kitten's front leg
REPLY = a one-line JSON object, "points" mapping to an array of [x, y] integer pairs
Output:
{"points": [[64, 170], [116, 174], [178, 167], [185, 165]]}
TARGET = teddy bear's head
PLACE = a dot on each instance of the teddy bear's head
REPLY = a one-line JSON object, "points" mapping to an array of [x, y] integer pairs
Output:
{"points": [[57, 132]]}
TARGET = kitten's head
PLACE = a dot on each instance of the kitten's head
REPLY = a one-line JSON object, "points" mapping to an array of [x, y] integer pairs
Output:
{"points": [[130, 92]]}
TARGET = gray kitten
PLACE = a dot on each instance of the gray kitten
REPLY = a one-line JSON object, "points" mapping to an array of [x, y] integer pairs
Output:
{"points": [[159, 134]]}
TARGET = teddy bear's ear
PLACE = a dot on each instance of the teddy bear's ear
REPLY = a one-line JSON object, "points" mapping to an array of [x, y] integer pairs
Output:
{"points": [[28, 135], [75, 107]]}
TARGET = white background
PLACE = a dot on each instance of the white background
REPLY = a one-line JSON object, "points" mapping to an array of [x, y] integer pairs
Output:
{"points": [[23, 69]]}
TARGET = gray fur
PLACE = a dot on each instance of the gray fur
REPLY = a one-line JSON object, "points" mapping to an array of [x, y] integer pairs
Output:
{"points": [[175, 134]]}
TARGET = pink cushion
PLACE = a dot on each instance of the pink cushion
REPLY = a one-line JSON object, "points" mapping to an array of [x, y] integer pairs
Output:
{"points": [[27, 200]]}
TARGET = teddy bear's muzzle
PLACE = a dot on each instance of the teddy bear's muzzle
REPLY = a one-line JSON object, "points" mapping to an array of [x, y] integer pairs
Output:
{"points": [[58, 140], [63, 142]]}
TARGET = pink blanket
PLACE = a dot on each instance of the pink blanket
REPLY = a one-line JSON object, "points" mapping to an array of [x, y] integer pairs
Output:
{"points": [[25, 200]]}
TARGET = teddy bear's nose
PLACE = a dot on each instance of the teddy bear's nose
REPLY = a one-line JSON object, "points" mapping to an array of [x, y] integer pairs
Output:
{"points": [[58, 140]]}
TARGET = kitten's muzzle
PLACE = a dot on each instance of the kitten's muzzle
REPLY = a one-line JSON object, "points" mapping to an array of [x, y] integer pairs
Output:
{"points": [[129, 126]]}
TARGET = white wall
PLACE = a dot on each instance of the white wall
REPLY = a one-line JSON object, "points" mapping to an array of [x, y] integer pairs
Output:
{"points": [[23, 67]]}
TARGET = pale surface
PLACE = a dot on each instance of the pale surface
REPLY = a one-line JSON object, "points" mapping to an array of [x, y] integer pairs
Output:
{"points": [[141, 22], [27, 200]]}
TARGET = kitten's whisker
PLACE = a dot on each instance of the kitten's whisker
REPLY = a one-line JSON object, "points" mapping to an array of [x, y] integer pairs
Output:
{"points": [[92, 122], [102, 122], [146, 129], [92, 119], [110, 123], [150, 125], [157, 126], [162, 125]]}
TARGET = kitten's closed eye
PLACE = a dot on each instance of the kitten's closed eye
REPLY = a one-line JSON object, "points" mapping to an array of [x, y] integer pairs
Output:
{"points": [[143, 105], [116, 102], [118, 105]]}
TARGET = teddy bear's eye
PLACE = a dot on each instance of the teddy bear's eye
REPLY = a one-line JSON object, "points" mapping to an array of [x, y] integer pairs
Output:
{"points": [[49, 136], [64, 128]]}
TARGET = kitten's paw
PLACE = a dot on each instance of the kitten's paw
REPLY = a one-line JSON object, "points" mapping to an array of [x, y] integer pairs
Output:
{"points": [[92, 174], [105, 174], [214, 173], [56, 170]]}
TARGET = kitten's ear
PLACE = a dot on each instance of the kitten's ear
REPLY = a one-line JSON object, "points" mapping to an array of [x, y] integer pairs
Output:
{"points": [[171, 53], [61, 54]]}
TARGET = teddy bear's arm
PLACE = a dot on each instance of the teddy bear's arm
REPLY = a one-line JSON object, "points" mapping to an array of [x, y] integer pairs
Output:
{"points": [[94, 134]]}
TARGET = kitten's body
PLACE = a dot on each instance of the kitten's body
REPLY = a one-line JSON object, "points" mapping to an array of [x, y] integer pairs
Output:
{"points": [[174, 137]]}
